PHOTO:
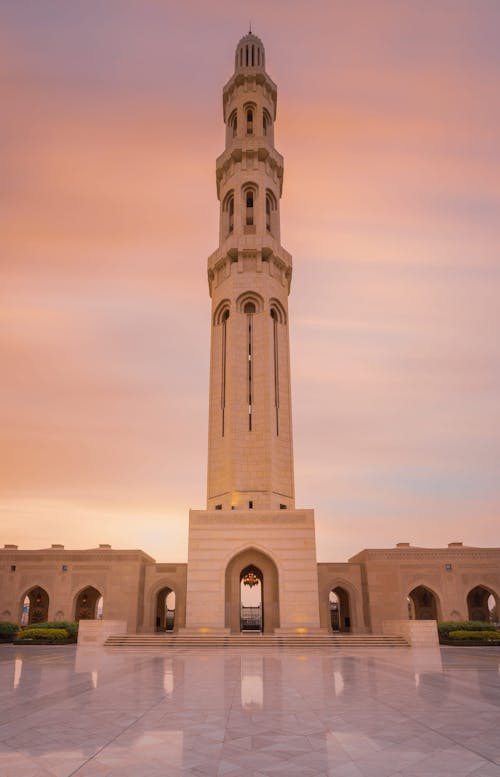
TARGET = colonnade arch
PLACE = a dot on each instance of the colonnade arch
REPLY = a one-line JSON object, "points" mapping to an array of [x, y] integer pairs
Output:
{"points": [[423, 604], [34, 606], [483, 604], [88, 604]]}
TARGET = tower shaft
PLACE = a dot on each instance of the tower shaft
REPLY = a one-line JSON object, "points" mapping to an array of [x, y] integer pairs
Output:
{"points": [[250, 459]]}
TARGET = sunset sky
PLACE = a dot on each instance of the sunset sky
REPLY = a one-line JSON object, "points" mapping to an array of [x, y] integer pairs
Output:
{"points": [[389, 122]]}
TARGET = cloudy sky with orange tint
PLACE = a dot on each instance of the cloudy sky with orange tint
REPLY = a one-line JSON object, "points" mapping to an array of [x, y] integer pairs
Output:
{"points": [[388, 118]]}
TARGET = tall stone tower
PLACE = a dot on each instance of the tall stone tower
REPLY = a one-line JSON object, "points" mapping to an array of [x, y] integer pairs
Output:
{"points": [[250, 461], [251, 531]]}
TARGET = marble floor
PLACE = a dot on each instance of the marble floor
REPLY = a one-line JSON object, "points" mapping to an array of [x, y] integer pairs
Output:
{"points": [[273, 713]]}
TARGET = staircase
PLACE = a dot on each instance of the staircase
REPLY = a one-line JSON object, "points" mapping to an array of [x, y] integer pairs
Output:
{"points": [[253, 641]]}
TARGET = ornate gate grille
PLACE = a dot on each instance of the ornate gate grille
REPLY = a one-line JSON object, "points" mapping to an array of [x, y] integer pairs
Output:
{"points": [[251, 618]]}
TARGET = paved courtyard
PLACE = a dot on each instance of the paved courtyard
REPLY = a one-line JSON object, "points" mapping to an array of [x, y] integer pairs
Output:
{"points": [[373, 713]]}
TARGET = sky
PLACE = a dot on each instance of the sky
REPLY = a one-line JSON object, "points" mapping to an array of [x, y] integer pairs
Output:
{"points": [[388, 119]]}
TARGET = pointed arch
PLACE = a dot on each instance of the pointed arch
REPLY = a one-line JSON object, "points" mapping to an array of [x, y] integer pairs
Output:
{"points": [[423, 603], [250, 192], [267, 122], [85, 603], [483, 604], [271, 211], [222, 312], [248, 558], [249, 110], [232, 124], [34, 605], [250, 297], [277, 310], [228, 213]]}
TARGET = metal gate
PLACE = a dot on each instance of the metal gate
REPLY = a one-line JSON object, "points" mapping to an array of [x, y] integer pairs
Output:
{"points": [[251, 618]]}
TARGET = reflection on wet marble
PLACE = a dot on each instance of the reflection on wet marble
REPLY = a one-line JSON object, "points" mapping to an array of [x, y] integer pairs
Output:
{"points": [[269, 713]]}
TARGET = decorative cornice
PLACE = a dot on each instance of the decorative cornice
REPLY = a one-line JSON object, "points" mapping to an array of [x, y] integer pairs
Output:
{"points": [[256, 146], [249, 77]]}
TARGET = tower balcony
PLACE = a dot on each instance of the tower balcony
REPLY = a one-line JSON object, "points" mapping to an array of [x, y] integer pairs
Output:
{"points": [[246, 78], [235, 251], [250, 148]]}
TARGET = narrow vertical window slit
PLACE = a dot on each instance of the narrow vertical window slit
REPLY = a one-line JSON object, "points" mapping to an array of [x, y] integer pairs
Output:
{"points": [[225, 316], [276, 369], [249, 310]]}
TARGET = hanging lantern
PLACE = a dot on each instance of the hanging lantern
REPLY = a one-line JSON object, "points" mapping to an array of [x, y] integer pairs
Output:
{"points": [[250, 579]]}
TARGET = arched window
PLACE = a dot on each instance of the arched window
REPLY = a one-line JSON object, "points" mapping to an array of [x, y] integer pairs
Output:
{"points": [[249, 207], [270, 211], [249, 115], [266, 122], [233, 124], [228, 214]]}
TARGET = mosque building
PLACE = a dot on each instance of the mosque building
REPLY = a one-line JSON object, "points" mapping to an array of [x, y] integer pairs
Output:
{"points": [[252, 552]]}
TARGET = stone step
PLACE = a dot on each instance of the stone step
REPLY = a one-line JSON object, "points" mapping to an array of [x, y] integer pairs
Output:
{"points": [[191, 641]]}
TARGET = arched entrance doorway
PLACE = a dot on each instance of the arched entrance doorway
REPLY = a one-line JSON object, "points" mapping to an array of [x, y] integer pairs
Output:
{"points": [[165, 609], [35, 606], [422, 604], [251, 614], [88, 604], [482, 605], [263, 592], [340, 615]]}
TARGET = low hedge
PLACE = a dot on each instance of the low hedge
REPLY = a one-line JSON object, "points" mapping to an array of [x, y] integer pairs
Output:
{"points": [[8, 629], [42, 635], [463, 634], [445, 627], [70, 626]]}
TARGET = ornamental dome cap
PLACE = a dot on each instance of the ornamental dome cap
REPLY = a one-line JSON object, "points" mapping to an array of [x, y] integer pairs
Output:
{"points": [[250, 53]]}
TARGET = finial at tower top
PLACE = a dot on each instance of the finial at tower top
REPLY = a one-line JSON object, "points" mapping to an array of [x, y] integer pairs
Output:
{"points": [[250, 53]]}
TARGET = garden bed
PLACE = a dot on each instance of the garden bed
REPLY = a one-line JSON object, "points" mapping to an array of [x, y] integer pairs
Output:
{"points": [[69, 641], [470, 642]]}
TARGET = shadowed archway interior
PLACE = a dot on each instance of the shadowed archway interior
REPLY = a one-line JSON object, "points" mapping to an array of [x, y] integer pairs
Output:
{"points": [[482, 605], [422, 604], [249, 560], [35, 606], [340, 613], [86, 605], [165, 610]]}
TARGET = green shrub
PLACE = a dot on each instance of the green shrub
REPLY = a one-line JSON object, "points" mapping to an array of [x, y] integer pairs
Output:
{"points": [[481, 634], [70, 626], [8, 629], [445, 627], [43, 635]]}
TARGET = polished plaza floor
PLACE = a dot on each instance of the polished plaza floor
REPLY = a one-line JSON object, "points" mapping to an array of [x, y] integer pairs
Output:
{"points": [[369, 713]]}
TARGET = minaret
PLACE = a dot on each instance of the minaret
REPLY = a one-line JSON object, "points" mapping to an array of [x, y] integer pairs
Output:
{"points": [[251, 534], [250, 459]]}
